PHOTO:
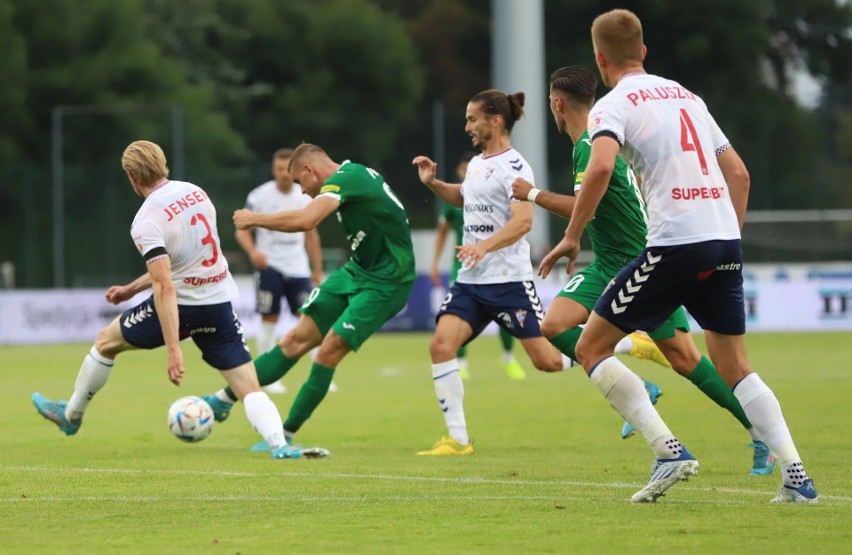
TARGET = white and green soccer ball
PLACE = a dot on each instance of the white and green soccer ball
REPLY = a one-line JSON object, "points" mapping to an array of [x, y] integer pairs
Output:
{"points": [[190, 419]]}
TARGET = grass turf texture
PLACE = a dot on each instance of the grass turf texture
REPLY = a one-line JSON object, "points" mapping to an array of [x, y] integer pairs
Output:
{"points": [[550, 474]]}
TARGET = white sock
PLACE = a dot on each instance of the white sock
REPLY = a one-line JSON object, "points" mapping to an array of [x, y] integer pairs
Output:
{"points": [[508, 356], [264, 417], [763, 411], [624, 346], [626, 393], [92, 376], [753, 433], [450, 392], [567, 362], [462, 362], [266, 337]]}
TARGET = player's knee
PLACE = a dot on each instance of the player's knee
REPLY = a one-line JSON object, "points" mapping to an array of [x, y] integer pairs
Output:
{"points": [[587, 354], [547, 363], [442, 347], [106, 345], [550, 328]]}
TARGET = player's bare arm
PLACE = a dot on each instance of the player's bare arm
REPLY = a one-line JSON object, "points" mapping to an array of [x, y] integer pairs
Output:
{"points": [[592, 189], [518, 225], [165, 301], [314, 250], [738, 180], [289, 220], [120, 293], [561, 205], [449, 192], [257, 257]]}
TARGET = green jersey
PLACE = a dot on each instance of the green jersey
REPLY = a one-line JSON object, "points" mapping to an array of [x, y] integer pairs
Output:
{"points": [[620, 225], [454, 216], [375, 224]]}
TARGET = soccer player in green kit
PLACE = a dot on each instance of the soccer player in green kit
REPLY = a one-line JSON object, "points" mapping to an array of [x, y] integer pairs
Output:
{"points": [[356, 300], [452, 218], [618, 234]]}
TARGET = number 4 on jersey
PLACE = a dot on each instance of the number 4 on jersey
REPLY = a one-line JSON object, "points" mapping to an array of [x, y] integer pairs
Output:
{"points": [[689, 139]]}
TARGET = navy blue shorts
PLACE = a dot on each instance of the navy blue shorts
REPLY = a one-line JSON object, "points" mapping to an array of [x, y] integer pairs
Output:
{"points": [[706, 278], [514, 306], [214, 328], [272, 285]]}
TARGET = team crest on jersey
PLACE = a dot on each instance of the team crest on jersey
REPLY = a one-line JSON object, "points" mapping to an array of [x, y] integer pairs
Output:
{"points": [[507, 320], [521, 316], [488, 172]]}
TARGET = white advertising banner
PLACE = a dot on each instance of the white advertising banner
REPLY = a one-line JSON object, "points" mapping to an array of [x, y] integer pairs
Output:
{"points": [[76, 315]]}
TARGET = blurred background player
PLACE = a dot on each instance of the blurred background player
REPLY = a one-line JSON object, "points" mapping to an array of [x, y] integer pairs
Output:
{"points": [[356, 300], [618, 235], [452, 219], [495, 282], [287, 265], [175, 232]]}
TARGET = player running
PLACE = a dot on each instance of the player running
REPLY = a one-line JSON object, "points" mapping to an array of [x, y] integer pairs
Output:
{"points": [[618, 235], [356, 300], [452, 218], [175, 232], [696, 190]]}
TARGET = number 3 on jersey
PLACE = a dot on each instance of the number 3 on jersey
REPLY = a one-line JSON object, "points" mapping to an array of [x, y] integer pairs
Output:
{"points": [[207, 240], [689, 139]]}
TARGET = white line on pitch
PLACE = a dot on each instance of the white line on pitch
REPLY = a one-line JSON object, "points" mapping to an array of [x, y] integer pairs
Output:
{"points": [[391, 477]]}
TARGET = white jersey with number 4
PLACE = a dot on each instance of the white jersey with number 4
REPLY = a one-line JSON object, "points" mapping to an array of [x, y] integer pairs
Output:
{"points": [[179, 219], [671, 140], [487, 193], [284, 251]]}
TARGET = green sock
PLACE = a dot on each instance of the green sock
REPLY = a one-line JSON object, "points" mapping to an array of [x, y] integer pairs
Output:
{"points": [[270, 366], [462, 352], [506, 340], [566, 342], [705, 377], [310, 396]]}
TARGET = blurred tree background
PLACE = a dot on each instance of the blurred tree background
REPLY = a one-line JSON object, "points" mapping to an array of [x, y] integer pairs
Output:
{"points": [[360, 78]]}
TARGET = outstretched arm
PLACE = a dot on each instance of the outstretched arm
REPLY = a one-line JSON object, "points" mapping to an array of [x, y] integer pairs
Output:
{"points": [[120, 293], [450, 192], [561, 205], [290, 220]]}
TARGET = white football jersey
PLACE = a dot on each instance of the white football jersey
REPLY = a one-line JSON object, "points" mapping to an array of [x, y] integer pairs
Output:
{"points": [[671, 140], [179, 219], [487, 193], [284, 251]]}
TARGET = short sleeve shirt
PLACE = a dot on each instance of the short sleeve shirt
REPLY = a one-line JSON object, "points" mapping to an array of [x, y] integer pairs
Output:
{"points": [[179, 219], [284, 251], [487, 193], [671, 140]]}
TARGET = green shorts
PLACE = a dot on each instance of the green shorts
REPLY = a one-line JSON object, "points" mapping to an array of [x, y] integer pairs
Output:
{"points": [[354, 306], [588, 285]]}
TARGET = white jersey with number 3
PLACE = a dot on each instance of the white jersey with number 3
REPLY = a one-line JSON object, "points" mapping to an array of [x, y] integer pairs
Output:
{"points": [[487, 193], [671, 140], [180, 218]]}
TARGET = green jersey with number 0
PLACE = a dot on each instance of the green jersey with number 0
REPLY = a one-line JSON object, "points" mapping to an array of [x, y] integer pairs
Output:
{"points": [[620, 225], [375, 224]]}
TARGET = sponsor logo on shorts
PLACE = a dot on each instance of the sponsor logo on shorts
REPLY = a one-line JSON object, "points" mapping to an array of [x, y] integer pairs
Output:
{"points": [[207, 329], [506, 318], [140, 314], [731, 266], [348, 326]]}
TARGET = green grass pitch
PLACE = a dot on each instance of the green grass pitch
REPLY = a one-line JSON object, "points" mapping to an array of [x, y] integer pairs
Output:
{"points": [[550, 473]]}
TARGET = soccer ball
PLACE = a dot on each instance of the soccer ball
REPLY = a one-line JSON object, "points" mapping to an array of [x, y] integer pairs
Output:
{"points": [[190, 419]]}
